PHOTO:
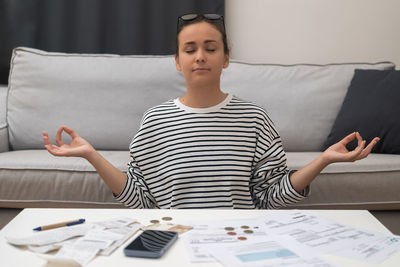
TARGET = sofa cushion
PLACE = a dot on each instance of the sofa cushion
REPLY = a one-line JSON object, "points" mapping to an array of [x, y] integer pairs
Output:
{"points": [[303, 100], [102, 97], [34, 178], [371, 183], [371, 107]]}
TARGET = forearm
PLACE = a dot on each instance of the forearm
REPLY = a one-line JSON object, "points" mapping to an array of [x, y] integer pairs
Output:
{"points": [[303, 177], [113, 177]]}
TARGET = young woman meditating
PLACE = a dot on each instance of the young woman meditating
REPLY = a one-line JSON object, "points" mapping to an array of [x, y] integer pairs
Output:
{"points": [[206, 149]]}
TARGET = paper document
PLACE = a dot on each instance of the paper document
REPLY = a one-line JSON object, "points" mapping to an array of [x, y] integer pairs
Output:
{"points": [[307, 230], [80, 243], [320, 234], [50, 236], [267, 251], [208, 233], [327, 236], [374, 252]]}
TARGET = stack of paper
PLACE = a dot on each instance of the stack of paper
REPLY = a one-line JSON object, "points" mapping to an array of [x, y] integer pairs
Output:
{"points": [[293, 238], [80, 243]]}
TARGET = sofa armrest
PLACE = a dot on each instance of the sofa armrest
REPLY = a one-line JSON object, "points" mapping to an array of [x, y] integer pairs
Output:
{"points": [[3, 119]]}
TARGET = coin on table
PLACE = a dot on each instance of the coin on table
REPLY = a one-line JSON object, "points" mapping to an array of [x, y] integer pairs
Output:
{"points": [[244, 227], [166, 218], [242, 238], [228, 228], [154, 221], [248, 231], [231, 233]]}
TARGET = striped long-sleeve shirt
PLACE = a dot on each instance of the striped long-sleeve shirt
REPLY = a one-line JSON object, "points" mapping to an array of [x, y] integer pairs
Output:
{"points": [[225, 156]]}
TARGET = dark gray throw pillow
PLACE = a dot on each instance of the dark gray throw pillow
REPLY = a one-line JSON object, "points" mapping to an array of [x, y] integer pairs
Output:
{"points": [[371, 107]]}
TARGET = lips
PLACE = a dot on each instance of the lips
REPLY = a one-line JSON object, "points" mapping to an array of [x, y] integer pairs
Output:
{"points": [[201, 69]]}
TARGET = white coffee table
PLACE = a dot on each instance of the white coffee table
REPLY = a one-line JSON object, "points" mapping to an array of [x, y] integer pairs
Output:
{"points": [[176, 255]]}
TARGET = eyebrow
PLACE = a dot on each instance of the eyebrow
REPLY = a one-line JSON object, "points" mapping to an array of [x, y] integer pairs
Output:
{"points": [[206, 41]]}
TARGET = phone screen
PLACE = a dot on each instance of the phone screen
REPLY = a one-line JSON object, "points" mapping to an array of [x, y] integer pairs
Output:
{"points": [[151, 244]]}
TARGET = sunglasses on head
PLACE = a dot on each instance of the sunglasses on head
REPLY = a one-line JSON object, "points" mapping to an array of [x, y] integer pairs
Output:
{"points": [[190, 17]]}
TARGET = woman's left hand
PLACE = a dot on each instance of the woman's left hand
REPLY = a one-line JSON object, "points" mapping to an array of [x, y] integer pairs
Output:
{"points": [[339, 153]]}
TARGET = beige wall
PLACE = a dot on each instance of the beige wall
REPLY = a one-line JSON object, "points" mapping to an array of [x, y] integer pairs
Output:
{"points": [[314, 31]]}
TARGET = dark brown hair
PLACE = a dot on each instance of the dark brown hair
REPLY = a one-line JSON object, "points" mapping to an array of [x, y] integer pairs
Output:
{"points": [[218, 24]]}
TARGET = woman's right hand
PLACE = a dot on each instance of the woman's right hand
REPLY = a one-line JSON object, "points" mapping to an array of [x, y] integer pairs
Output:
{"points": [[78, 147]]}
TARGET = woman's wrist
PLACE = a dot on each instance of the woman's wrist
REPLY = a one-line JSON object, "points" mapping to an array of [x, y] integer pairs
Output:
{"points": [[324, 160], [91, 155]]}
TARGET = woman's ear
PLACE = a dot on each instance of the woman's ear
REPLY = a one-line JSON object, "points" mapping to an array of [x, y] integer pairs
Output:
{"points": [[177, 65], [226, 62]]}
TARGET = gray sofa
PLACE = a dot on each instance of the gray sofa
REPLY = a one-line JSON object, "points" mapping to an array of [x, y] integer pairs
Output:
{"points": [[103, 97]]}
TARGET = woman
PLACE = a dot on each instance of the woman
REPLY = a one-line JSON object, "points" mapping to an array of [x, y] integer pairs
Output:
{"points": [[206, 149]]}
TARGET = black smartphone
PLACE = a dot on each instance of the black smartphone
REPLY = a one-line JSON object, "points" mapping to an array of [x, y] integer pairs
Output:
{"points": [[151, 244]]}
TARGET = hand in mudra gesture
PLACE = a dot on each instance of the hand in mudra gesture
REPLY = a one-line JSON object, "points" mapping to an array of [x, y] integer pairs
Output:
{"points": [[78, 147], [339, 153]]}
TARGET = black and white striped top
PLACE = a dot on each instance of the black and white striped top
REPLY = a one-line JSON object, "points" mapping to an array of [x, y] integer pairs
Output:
{"points": [[226, 156]]}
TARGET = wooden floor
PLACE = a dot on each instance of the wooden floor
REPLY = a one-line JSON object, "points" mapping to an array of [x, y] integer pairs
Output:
{"points": [[391, 219]]}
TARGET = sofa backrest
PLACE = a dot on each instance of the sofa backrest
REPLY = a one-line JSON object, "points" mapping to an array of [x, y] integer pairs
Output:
{"points": [[3, 119], [303, 100], [103, 97]]}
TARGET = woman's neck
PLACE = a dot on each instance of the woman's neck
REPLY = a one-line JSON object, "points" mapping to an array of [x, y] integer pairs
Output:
{"points": [[203, 97]]}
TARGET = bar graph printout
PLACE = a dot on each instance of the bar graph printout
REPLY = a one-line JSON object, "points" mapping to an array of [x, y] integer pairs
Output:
{"points": [[265, 252]]}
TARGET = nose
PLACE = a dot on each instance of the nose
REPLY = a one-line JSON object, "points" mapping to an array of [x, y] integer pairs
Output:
{"points": [[200, 56]]}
